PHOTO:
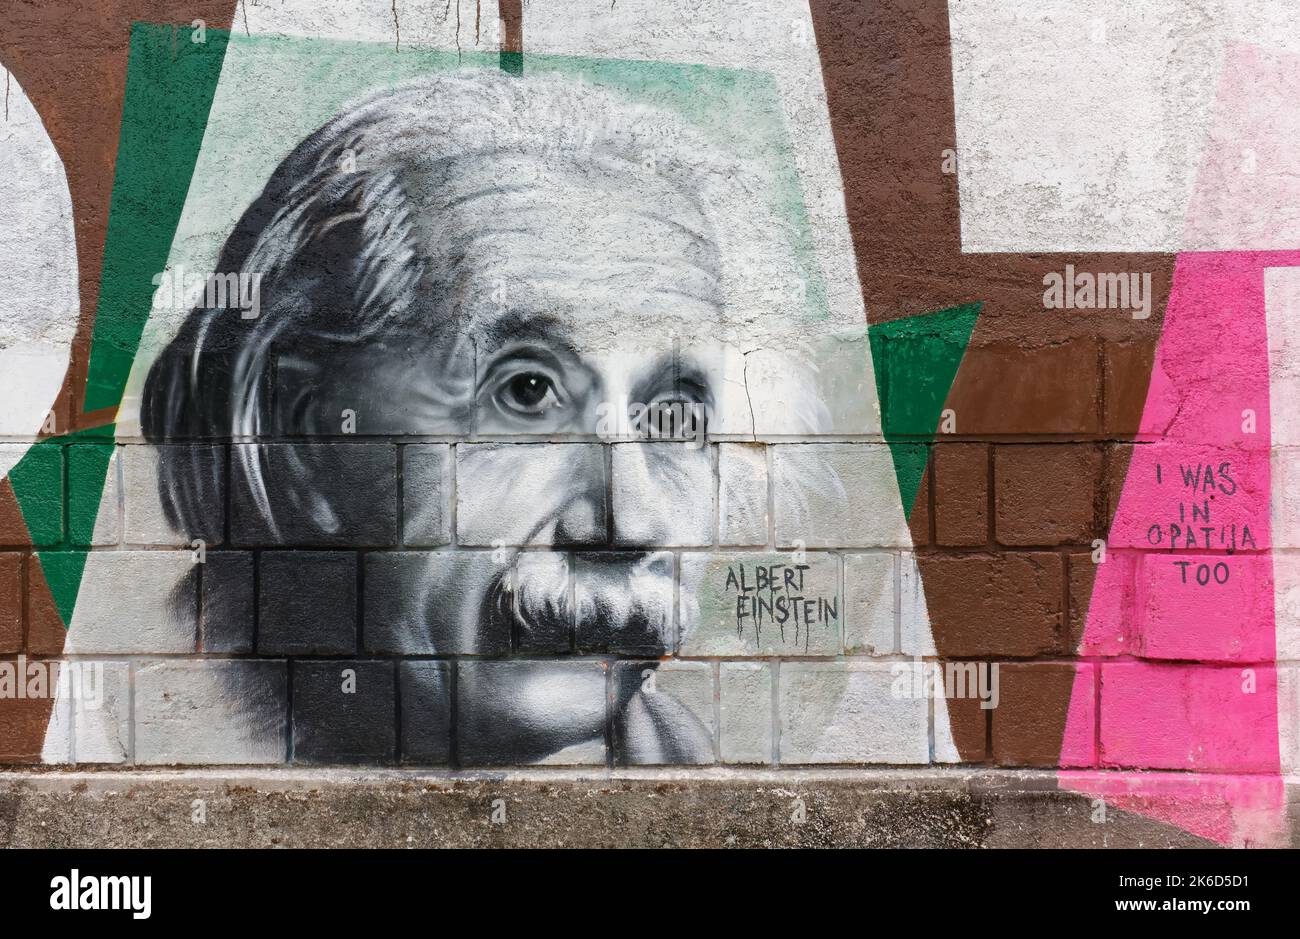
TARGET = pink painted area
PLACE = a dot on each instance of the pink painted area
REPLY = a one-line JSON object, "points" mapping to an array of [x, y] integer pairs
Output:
{"points": [[1231, 810], [1211, 366], [1189, 717]]}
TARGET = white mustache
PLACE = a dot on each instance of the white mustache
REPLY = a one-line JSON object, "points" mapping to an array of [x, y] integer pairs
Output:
{"points": [[626, 598]]}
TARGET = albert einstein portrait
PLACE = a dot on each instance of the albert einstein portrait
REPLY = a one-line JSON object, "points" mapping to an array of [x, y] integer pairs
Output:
{"points": [[493, 263]]}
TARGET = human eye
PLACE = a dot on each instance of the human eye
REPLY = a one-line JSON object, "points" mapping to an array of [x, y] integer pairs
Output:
{"points": [[528, 393], [525, 389]]}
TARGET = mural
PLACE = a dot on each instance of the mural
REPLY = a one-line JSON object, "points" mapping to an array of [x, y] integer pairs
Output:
{"points": [[490, 391]]}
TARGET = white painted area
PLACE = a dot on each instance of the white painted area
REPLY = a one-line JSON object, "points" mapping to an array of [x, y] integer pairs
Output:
{"points": [[1282, 310], [38, 268], [1082, 125]]}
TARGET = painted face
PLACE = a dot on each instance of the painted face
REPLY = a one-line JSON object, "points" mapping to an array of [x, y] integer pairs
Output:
{"points": [[567, 307]]}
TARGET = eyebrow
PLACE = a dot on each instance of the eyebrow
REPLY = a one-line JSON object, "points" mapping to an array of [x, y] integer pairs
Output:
{"points": [[521, 324]]}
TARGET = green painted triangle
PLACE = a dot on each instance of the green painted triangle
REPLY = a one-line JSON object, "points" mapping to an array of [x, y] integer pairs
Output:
{"points": [[63, 521], [916, 360], [170, 82], [63, 570]]}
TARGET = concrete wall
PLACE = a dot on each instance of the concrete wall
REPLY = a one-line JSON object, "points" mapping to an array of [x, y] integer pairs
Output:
{"points": [[897, 384]]}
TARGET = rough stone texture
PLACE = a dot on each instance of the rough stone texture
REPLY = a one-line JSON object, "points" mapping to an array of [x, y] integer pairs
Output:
{"points": [[690, 684], [359, 483], [425, 689], [990, 562], [493, 509], [552, 808], [846, 712], [821, 513], [745, 711], [11, 602], [226, 604], [404, 616], [742, 494], [145, 521], [648, 632], [343, 712], [961, 494], [133, 602], [709, 618], [870, 600], [307, 603], [182, 712], [92, 524], [662, 494], [426, 494]]}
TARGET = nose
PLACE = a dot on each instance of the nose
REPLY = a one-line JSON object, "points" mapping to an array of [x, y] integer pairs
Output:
{"points": [[661, 494]]}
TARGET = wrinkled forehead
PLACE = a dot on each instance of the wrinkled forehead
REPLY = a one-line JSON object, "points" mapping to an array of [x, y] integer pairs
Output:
{"points": [[592, 246]]}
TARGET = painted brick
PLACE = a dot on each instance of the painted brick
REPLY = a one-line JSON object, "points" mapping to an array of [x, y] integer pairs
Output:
{"points": [[1288, 718], [869, 603], [41, 521], [1285, 496], [11, 602], [960, 730], [102, 729], [846, 712], [745, 712], [543, 582], [1000, 605], [426, 494], [961, 494], [1163, 716], [712, 583], [1040, 389], [673, 724], [621, 612], [836, 495], [344, 712], [133, 602], [511, 493], [1286, 573], [915, 634], [1044, 493], [415, 604], [498, 704], [1179, 618], [145, 520], [1103, 624], [307, 603], [426, 712], [661, 494], [1126, 372], [357, 481], [211, 711], [742, 494], [1032, 701], [226, 611], [94, 523]]}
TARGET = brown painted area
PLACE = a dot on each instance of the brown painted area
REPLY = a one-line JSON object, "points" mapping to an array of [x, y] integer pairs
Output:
{"points": [[1028, 373], [70, 58], [11, 602], [512, 22], [13, 528]]}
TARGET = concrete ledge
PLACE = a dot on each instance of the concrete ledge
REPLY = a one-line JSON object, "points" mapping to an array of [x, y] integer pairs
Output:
{"points": [[257, 808]]}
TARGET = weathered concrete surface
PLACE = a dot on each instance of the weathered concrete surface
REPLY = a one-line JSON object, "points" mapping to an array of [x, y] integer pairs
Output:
{"points": [[563, 808]]}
